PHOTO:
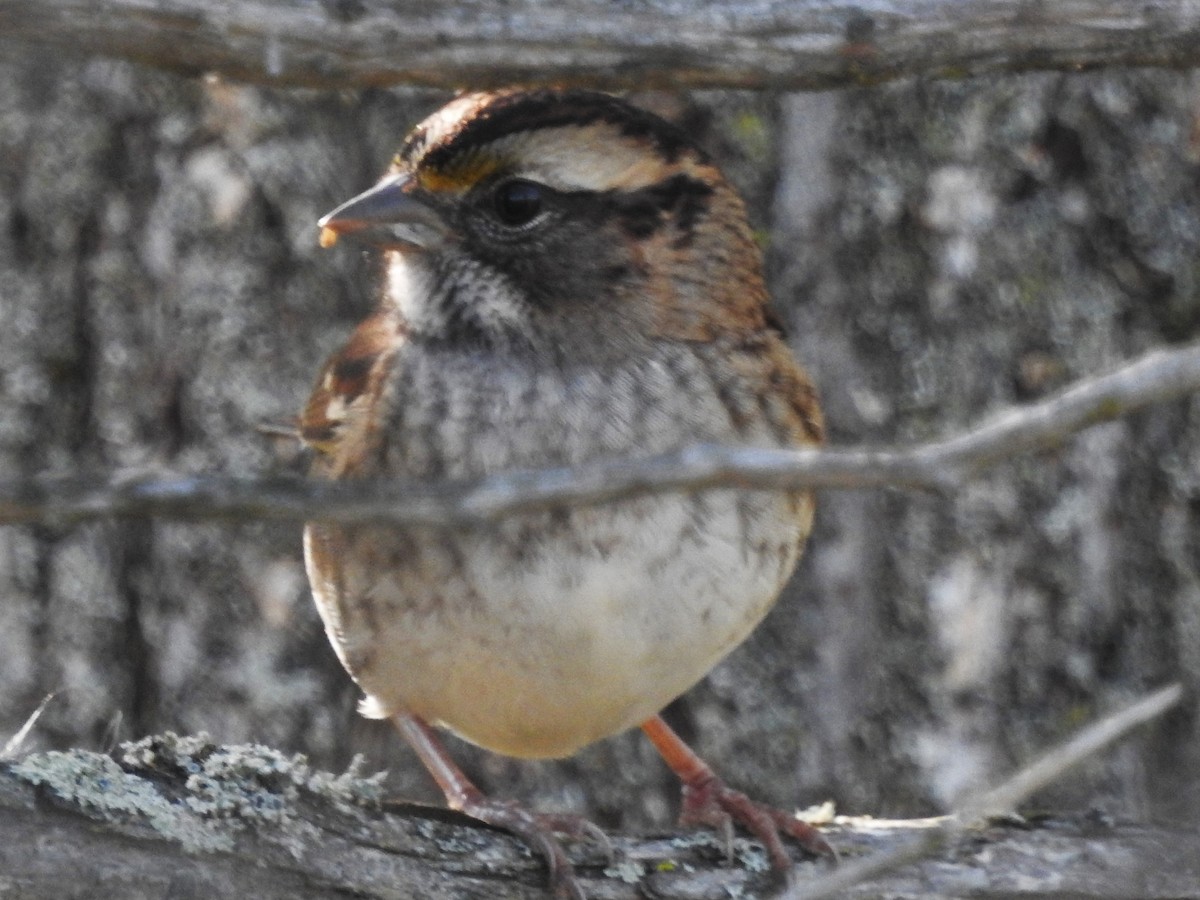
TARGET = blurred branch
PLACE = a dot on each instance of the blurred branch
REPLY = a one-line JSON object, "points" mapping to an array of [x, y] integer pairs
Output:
{"points": [[998, 801], [804, 44], [940, 465]]}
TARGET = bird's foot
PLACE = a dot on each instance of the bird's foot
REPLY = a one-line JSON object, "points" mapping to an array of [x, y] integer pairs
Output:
{"points": [[539, 831], [709, 801]]}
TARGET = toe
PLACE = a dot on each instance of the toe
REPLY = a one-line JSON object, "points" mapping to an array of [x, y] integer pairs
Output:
{"points": [[538, 831], [714, 804]]}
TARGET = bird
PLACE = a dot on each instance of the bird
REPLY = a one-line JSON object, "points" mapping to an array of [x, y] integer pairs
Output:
{"points": [[566, 278]]}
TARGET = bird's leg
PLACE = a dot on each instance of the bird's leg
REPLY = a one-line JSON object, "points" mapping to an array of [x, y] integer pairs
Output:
{"points": [[535, 829], [708, 801]]}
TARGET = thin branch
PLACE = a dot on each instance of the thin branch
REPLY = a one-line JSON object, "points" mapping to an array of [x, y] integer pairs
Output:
{"points": [[805, 44], [13, 744], [940, 465], [1047, 768], [1004, 798]]}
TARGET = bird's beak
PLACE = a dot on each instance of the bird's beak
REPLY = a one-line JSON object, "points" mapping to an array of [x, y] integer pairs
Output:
{"points": [[388, 215]]}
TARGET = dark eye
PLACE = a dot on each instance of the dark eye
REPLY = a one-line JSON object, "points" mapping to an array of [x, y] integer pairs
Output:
{"points": [[518, 202]]}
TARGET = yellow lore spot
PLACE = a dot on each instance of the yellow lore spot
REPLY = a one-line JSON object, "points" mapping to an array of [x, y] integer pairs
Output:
{"points": [[459, 177], [328, 238]]}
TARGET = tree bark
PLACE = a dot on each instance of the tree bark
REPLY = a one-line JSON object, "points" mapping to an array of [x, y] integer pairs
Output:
{"points": [[941, 250], [185, 817], [716, 43]]}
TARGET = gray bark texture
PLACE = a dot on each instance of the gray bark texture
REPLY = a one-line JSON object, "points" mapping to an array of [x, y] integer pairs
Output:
{"points": [[182, 817], [938, 249], [697, 44]]}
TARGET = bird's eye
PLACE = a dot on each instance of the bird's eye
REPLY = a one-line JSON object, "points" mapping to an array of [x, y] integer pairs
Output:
{"points": [[518, 202]]}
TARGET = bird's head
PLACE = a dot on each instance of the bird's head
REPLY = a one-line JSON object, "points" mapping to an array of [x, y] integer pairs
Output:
{"points": [[557, 218]]}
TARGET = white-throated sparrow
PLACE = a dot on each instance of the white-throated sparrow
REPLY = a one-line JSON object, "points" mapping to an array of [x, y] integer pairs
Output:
{"points": [[568, 278]]}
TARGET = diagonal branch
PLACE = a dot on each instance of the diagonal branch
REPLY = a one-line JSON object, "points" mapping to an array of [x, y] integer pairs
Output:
{"points": [[940, 465], [803, 44], [1000, 800]]}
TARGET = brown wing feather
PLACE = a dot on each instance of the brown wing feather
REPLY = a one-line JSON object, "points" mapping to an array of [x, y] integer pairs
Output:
{"points": [[347, 390]]}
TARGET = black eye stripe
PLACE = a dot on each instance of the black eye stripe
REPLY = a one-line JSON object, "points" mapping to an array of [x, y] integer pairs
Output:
{"points": [[681, 198]]}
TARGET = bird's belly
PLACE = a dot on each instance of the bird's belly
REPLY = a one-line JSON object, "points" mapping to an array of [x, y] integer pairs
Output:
{"points": [[548, 632]]}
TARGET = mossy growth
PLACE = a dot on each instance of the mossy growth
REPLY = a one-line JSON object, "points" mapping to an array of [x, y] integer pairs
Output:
{"points": [[193, 791]]}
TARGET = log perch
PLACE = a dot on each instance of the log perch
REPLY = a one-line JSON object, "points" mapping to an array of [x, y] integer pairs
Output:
{"points": [[171, 816]]}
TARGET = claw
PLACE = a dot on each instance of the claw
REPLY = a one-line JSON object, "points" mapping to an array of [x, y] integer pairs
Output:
{"points": [[536, 829], [709, 801], [578, 828], [712, 803]]}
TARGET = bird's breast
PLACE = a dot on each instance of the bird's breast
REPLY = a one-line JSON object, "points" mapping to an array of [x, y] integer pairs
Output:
{"points": [[546, 631], [553, 630]]}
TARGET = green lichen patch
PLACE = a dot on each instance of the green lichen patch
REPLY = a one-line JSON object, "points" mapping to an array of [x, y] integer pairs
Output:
{"points": [[751, 855], [629, 871], [95, 783], [249, 782], [196, 792], [748, 854]]}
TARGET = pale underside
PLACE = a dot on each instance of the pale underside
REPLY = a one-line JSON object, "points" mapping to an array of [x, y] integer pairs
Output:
{"points": [[564, 638]]}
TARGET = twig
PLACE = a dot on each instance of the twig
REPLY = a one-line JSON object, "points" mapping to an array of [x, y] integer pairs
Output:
{"points": [[802, 44], [10, 748], [941, 465], [1003, 798]]}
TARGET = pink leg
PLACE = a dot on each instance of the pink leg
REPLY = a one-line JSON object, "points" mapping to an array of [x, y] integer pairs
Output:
{"points": [[708, 801], [534, 829]]}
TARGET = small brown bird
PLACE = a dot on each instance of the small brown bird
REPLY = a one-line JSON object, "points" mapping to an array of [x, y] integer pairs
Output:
{"points": [[568, 279]]}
